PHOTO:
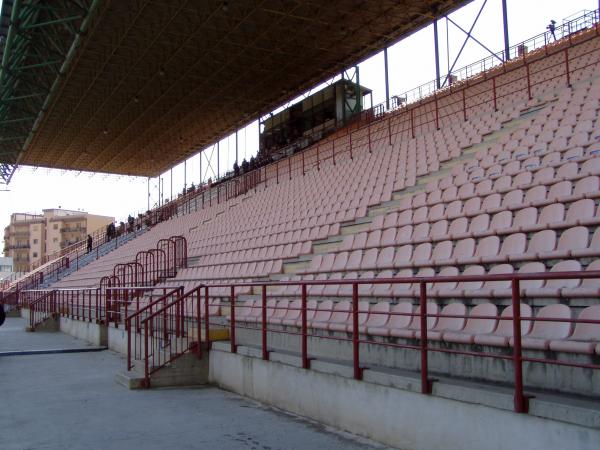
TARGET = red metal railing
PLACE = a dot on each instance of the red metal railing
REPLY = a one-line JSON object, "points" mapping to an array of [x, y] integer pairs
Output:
{"points": [[42, 308], [517, 357], [171, 331], [134, 315]]}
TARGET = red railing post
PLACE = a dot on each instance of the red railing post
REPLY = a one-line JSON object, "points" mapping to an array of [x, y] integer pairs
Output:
{"points": [[425, 382], [390, 129], [521, 403], [333, 150], [232, 321], [528, 81], [146, 373], [128, 328], [437, 112], [567, 70], [206, 324], [199, 320], [494, 92], [350, 134], [304, 337], [464, 104], [265, 352], [355, 341]]}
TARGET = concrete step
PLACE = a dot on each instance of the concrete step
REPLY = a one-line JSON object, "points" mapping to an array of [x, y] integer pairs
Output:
{"points": [[186, 370]]}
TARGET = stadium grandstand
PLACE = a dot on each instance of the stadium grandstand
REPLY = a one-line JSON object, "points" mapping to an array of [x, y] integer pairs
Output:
{"points": [[423, 272]]}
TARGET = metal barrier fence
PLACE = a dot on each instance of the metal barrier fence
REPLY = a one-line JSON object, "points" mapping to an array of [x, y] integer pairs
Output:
{"points": [[424, 316]]}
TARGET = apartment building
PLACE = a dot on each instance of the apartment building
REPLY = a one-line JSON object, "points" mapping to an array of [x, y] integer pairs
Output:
{"points": [[30, 237]]}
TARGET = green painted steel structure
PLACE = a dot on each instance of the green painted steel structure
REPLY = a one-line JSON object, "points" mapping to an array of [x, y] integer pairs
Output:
{"points": [[38, 39]]}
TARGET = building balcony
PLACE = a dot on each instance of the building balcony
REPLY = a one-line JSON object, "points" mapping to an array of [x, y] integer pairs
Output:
{"points": [[18, 246], [72, 230]]}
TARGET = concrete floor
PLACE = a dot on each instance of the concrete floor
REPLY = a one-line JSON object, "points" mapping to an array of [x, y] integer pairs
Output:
{"points": [[70, 401]]}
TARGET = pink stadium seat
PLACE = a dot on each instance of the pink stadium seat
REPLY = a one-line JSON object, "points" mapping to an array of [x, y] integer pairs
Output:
{"points": [[280, 312], [592, 250], [445, 324], [377, 319], [412, 329], [323, 313], [439, 287], [501, 335], [512, 247], [294, 314], [543, 332], [382, 325], [552, 288], [585, 337], [475, 326], [575, 238]]}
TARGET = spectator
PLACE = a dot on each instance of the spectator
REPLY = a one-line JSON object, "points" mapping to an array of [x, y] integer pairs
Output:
{"points": [[245, 166], [130, 221], [108, 228], [552, 28], [89, 243], [236, 169]]}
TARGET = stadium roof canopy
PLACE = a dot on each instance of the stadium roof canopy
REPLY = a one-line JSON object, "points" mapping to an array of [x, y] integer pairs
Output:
{"points": [[136, 86]]}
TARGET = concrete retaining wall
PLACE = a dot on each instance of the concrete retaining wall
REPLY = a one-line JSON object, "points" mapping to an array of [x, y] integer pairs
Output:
{"points": [[566, 379], [396, 417], [91, 332]]}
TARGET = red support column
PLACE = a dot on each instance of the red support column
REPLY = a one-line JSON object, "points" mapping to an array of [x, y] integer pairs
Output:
{"points": [[199, 320], [412, 122], [567, 70], [206, 317], [350, 134], [232, 331], [425, 382], [265, 352], [495, 95], [355, 341], [369, 135], [390, 130], [464, 103], [333, 151], [528, 81], [521, 402], [437, 112], [304, 337]]}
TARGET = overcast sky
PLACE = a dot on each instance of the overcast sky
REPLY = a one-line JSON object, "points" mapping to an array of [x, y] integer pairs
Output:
{"points": [[411, 64]]}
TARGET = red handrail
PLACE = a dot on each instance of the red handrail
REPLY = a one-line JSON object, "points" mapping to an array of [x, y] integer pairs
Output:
{"points": [[520, 398]]}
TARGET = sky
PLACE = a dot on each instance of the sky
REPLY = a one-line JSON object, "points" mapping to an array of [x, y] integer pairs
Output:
{"points": [[411, 64]]}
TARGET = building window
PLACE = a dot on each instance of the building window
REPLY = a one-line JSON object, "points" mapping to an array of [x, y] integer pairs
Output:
{"points": [[55, 226], [35, 254], [35, 241]]}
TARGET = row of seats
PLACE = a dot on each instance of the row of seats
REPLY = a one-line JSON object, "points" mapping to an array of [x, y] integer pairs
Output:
{"points": [[554, 288], [516, 247], [453, 323]]}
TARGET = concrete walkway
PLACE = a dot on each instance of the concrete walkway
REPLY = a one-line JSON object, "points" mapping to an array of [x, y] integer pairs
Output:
{"points": [[70, 401]]}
